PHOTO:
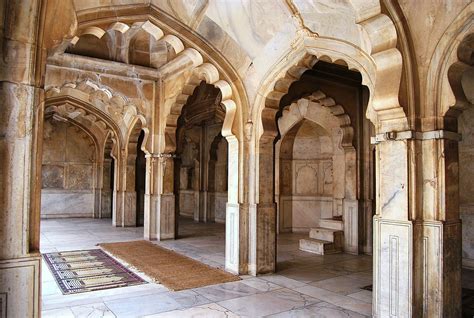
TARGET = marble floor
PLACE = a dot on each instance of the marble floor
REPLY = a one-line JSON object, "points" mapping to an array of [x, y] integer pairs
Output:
{"points": [[305, 285]]}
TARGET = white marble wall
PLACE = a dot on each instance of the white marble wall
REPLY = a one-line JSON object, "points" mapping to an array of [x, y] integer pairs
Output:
{"points": [[301, 213], [306, 180], [69, 172], [187, 203], [220, 206], [63, 204]]}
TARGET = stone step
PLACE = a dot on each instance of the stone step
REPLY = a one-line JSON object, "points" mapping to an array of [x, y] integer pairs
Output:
{"points": [[319, 247], [331, 224], [322, 233]]}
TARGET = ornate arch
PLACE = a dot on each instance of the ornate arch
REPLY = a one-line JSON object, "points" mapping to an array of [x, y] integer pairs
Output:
{"points": [[298, 111], [209, 74], [378, 62], [188, 52], [99, 102], [444, 94]]}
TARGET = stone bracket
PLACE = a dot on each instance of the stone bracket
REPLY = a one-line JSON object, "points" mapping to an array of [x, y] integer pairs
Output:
{"points": [[391, 136], [161, 155], [438, 134], [418, 135]]}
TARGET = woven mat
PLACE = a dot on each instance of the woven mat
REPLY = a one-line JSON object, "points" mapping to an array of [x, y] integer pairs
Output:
{"points": [[175, 271], [90, 270]]}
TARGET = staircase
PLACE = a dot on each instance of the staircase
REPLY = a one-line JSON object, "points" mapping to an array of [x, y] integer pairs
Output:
{"points": [[328, 238]]}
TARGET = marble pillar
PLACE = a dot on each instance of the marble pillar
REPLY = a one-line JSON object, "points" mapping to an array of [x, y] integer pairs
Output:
{"points": [[417, 243], [393, 233], [21, 131], [437, 230], [130, 194], [204, 175], [98, 186], [160, 218], [236, 224], [264, 217]]}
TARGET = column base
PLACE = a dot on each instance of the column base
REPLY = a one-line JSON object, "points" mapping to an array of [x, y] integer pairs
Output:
{"points": [[417, 268], [393, 268], [130, 209], [166, 217], [351, 226], [232, 238], [20, 287], [438, 263], [266, 238]]}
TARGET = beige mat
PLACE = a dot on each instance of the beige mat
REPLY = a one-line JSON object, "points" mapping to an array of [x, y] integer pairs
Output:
{"points": [[175, 271]]}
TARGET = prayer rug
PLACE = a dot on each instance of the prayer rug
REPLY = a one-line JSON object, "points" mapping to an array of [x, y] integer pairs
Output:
{"points": [[175, 271], [90, 270]]}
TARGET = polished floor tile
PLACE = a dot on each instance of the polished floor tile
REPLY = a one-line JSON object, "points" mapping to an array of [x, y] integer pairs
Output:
{"points": [[268, 303], [305, 285], [319, 310]]}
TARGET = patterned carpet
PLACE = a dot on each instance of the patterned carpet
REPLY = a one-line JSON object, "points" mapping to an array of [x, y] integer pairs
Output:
{"points": [[90, 270]]}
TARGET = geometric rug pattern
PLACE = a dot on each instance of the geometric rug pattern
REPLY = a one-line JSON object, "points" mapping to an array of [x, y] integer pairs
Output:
{"points": [[89, 270]]}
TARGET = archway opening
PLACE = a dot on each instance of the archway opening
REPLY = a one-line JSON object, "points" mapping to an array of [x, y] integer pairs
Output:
{"points": [[324, 181], [108, 181], [77, 186], [140, 180], [68, 170], [201, 173], [466, 207], [306, 177], [461, 76]]}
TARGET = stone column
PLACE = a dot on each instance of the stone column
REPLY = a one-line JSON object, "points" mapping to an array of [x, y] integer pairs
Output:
{"points": [[437, 233], [393, 229], [106, 200], [264, 218], [130, 194], [211, 190], [350, 203], [159, 221], [98, 186], [204, 176], [21, 131], [417, 242], [119, 190], [235, 220]]}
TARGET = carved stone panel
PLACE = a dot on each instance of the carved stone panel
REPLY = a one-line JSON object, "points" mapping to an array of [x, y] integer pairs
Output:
{"points": [[306, 178]]}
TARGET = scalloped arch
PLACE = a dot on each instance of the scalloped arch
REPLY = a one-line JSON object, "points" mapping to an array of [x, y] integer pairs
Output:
{"points": [[97, 102], [294, 113], [208, 73], [448, 62]]}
